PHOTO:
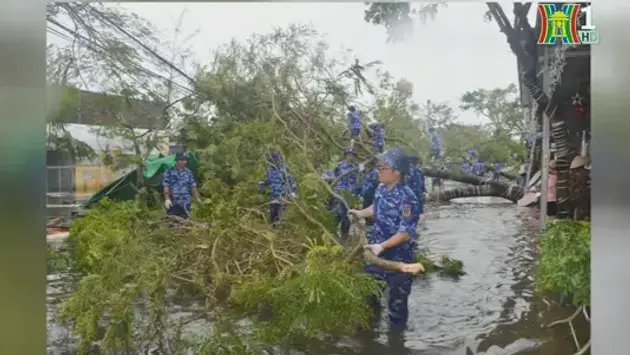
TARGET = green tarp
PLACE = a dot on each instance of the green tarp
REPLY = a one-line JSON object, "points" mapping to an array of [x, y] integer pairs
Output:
{"points": [[126, 186]]}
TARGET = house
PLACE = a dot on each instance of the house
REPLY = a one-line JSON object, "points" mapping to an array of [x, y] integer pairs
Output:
{"points": [[574, 88], [100, 109], [86, 117]]}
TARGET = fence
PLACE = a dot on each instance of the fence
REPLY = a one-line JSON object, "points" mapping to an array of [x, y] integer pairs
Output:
{"points": [[60, 197], [68, 184]]}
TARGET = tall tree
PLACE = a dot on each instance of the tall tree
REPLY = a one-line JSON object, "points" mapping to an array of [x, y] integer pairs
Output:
{"points": [[399, 18], [500, 106], [438, 114]]}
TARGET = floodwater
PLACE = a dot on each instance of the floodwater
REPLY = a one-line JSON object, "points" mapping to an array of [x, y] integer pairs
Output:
{"points": [[490, 310]]}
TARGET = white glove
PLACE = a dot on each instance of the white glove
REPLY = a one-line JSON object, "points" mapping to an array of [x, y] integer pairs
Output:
{"points": [[353, 213], [361, 167], [377, 249], [293, 195], [168, 204]]}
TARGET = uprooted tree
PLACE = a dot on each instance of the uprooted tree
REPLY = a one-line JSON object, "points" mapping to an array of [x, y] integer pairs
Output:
{"points": [[280, 91]]}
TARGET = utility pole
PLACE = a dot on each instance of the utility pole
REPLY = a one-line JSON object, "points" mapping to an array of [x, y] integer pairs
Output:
{"points": [[545, 144], [533, 129]]}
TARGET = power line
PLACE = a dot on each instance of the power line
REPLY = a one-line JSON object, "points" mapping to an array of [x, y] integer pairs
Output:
{"points": [[58, 34], [133, 38], [98, 48]]}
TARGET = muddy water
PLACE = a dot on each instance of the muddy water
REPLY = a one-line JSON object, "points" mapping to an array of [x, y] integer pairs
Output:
{"points": [[491, 310]]}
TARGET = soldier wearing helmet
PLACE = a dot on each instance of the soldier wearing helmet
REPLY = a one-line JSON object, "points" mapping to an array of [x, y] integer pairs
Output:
{"points": [[346, 181], [395, 211], [281, 185]]}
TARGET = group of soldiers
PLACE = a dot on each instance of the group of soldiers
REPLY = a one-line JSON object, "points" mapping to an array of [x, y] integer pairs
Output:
{"points": [[390, 187], [477, 166]]}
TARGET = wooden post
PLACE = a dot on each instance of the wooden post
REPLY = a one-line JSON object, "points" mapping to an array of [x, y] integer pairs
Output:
{"points": [[545, 145], [584, 150], [533, 129]]}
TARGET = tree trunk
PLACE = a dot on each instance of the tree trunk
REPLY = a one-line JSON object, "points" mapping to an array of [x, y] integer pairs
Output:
{"points": [[481, 186], [522, 40], [511, 192], [460, 175]]}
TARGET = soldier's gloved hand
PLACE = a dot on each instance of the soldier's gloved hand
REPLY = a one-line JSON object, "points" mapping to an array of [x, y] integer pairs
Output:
{"points": [[168, 204], [293, 195], [354, 213], [377, 249]]}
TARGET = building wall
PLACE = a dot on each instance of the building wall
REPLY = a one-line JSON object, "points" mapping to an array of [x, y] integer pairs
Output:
{"points": [[91, 178]]}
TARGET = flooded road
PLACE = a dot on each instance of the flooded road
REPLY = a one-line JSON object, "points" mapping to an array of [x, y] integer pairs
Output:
{"points": [[490, 310]]}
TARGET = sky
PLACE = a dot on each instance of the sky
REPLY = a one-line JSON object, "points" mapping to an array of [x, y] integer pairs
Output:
{"points": [[456, 52]]}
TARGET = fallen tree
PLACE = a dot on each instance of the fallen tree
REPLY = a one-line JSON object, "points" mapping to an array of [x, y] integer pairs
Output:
{"points": [[279, 91], [480, 186], [511, 192]]}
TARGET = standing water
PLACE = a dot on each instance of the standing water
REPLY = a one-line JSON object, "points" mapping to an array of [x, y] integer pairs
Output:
{"points": [[490, 310]]}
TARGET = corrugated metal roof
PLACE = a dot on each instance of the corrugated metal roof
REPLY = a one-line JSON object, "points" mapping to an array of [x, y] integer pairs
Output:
{"points": [[94, 137]]}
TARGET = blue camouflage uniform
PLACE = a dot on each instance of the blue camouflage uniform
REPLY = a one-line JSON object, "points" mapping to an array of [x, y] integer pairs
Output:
{"points": [[369, 183], [435, 144], [478, 168], [354, 122], [415, 180], [497, 169], [348, 182], [466, 165], [180, 182], [472, 153], [329, 177], [396, 210], [378, 136], [281, 183]]}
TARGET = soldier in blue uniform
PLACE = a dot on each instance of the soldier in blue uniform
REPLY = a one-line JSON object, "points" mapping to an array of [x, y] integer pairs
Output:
{"points": [[329, 177], [478, 168], [281, 183], [369, 183], [179, 182], [378, 136], [354, 122], [395, 211], [466, 165], [414, 178], [497, 169], [436, 152], [346, 181]]}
